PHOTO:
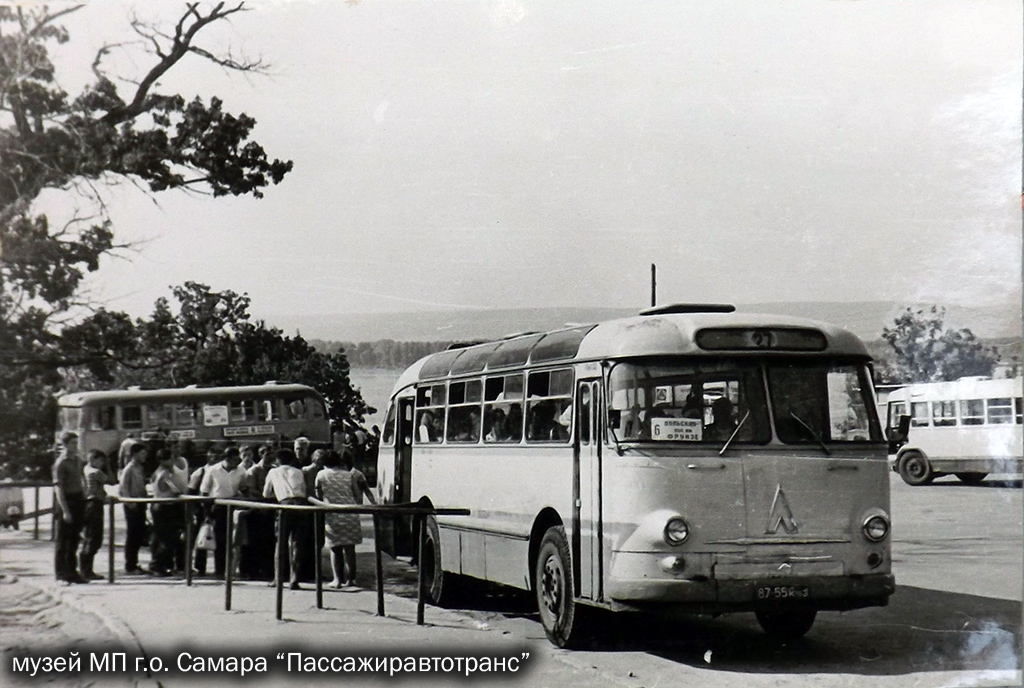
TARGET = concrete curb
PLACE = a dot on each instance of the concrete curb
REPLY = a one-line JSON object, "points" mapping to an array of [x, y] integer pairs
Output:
{"points": [[120, 630]]}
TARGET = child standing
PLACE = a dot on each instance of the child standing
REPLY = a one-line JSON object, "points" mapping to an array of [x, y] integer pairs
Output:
{"points": [[96, 476], [168, 483]]}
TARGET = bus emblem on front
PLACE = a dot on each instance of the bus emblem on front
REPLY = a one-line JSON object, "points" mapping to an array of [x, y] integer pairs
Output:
{"points": [[780, 514]]}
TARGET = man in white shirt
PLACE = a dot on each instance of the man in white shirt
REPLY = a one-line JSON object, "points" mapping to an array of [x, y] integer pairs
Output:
{"points": [[287, 484], [225, 480]]}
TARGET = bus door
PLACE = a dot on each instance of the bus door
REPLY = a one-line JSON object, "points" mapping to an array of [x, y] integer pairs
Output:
{"points": [[398, 540], [587, 527]]}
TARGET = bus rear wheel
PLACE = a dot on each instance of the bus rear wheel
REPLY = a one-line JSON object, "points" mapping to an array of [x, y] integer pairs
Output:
{"points": [[787, 625], [554, 587], [915, 469], [971, 478]]}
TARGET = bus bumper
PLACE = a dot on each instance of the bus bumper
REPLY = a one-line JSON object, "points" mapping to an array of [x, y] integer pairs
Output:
{"points": [[708, 594]]}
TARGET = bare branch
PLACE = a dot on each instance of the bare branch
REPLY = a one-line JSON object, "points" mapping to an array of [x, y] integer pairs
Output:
{"points": [[181, 44], [102, 53]]}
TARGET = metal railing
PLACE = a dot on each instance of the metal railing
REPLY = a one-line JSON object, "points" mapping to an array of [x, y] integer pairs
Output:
{"points": [[419, 512]]}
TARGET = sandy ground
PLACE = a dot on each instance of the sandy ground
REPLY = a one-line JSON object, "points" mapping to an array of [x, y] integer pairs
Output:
{"points": [[34, 617]]}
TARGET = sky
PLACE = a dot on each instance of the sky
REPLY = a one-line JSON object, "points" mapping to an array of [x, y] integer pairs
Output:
{"points": [[498, 154]]}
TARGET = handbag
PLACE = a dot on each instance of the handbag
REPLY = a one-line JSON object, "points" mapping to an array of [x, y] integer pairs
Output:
{"points": [[206, 538]]}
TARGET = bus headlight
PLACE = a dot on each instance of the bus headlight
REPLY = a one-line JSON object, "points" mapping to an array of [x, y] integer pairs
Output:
{"points": [[876, 528], [676, 531]]}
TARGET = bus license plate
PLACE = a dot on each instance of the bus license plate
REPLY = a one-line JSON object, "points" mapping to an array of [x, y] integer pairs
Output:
{"points": [[783, 592]]}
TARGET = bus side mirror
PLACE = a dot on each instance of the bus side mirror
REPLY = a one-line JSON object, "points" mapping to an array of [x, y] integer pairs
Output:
{"points": [[898, 435], [904, 429]]}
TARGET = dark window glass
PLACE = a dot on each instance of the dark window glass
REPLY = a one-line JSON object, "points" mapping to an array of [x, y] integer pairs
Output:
{"points": [[559, 345], [674, 401], [819, 402]]}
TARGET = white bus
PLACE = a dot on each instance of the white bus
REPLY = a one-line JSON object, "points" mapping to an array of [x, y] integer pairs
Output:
{"points": [[690, 458], [970, 428]]}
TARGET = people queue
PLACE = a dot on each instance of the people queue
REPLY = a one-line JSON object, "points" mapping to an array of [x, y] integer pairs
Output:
{"points": [[265, 472]]}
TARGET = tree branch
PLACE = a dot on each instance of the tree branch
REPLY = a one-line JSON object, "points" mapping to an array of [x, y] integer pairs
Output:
{"points": [[181, 44]]}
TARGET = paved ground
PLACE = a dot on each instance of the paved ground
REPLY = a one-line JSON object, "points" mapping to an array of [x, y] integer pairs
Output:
{"points": [[954, 621]]}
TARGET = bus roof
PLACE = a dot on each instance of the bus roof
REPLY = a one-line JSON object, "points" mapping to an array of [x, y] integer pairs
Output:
{"points": [[964, 388], [185, 393], [668, 334]]}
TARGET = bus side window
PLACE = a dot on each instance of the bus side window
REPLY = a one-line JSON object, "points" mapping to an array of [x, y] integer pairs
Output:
{"points": [[1000, 411], [185, 415], [268, 410], [503, 409], [131, 417], [159, 415], [294, 409], [70, 417], [316, 409], [242, 410], [388, 432], [430, 401], [972, 412], [897, 409], [943, 413], [464, 411], [919, 413], [549, 406], [1017, 410], [103, 418]]}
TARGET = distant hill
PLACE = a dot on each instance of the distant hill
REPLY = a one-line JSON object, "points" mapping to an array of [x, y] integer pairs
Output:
{"points": [[866, 319]]}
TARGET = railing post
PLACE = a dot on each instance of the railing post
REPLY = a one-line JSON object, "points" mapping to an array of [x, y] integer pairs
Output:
{"points": [[380, 570], [318, 527], [229, 559], [421, 536], [35, 534], [189, 542], [110, 541], [279, 573]]}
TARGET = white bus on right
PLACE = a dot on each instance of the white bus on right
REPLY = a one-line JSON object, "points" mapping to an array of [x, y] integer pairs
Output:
{"points": [[970, 427]]}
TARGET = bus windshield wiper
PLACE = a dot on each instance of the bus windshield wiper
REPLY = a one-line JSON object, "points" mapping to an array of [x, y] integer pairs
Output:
{"points": [[814, 433], [615, 438], [734, 433]]}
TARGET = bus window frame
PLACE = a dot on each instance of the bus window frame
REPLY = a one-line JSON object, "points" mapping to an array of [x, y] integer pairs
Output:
{"points": [[556, 420], [941, 419], [968, 417], [122, 424], [1007, 411]]}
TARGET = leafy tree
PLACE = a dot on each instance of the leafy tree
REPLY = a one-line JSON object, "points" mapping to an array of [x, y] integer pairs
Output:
{"points": [[52, 141], [925, 350], [211, 340]]}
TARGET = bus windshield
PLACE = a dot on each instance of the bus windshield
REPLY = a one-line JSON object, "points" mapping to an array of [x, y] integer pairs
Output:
{"points": [[688, 401], [821, 403], [708, 401]]}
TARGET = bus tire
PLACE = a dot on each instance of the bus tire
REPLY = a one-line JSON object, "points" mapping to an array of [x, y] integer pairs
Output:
{"points": [[786, 625], [915, 469], [440, 586], [971, 478], [553, 585]]}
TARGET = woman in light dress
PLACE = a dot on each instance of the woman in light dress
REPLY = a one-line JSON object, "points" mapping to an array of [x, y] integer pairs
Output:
{"points": [[340, 483]]}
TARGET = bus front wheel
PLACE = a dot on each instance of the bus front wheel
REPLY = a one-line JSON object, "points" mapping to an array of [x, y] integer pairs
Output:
{"points": [[787, 625], [554, 587], [915, 469]]}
